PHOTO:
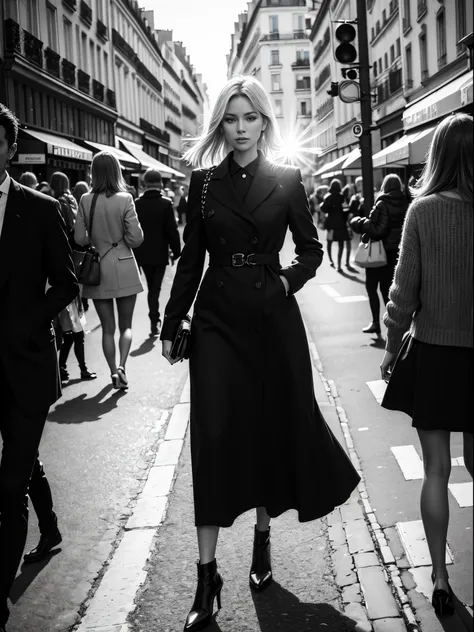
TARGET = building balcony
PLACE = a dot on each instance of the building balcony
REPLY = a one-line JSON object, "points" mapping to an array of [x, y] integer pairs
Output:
{"points": [[283, 3], [102, 31], [70, 4], [171, 106], [188, 113], [170, 125], [406, 25], [52, 61], [154, 131], [85, 13], [18, 41], [442, 60], [69, 72], [268, 37], [408, 84], [110, 98], [98, 90], [395, 80], [84, 81], [300, 63]]}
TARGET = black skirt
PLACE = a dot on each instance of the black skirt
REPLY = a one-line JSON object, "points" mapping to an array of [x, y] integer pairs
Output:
{"points": [[433, 385]]}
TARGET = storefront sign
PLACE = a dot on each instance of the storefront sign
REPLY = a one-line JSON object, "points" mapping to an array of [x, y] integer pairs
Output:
{"points": [[30, 159], [76, 154]]}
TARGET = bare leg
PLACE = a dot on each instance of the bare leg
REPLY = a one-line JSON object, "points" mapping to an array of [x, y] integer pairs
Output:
{"points": [[348, 252], [340, 251], [207, 543], [329, 251], [105, 310], [263, 519], [468, 451], [125, 307], [434, 503]]}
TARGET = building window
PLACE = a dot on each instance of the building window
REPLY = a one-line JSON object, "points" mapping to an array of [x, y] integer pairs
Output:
{"points": [[423, 55], [380, 66], [100, 10], [398, 47], [372, 32], [303, 83], [278, 107], [375, 68], [32, 17], [51, 17], [460, 24], [406, 15], [377, 27], [384, 16], [92, 59], [302, 56], [305, 109], [276, 83], [441, 36], [392, 54], [99, 65], [275, 57], [273, 24], [68, 39], [385, 59], [84, 56], [409, 67], [298, 24]]}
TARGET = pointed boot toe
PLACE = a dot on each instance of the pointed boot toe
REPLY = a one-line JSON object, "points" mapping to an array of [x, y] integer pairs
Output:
{"points": [[261, 570], [209, 588]]}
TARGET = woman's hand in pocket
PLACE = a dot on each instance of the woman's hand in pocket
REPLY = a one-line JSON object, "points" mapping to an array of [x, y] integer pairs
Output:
{"points": [[284, 280]]}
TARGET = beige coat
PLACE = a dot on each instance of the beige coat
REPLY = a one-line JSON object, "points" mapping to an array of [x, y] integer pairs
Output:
{"points": [[115, 222]]}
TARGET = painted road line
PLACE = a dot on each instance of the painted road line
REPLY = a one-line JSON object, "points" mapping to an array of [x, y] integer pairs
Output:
{"points": [[413, 538], [351, 299], [409, 462], [114, 599], [329, 290], [462, 492], [377, 388]]}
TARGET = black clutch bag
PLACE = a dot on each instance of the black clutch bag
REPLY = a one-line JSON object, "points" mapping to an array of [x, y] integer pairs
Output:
{"points": [[182, 341]]}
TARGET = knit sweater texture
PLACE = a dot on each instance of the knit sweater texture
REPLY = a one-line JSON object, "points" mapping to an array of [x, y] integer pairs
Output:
{"points": [[431, 294]]}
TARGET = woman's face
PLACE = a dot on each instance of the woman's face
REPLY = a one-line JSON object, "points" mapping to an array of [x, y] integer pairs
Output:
{"points": [[242, 125]]}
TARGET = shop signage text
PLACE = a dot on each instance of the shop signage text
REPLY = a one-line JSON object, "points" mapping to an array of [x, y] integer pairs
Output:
{"points": [[31, 159], [76, 154]]}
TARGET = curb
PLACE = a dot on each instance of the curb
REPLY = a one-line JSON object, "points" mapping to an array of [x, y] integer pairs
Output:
{"points": [[112, 597], [373, 564]]}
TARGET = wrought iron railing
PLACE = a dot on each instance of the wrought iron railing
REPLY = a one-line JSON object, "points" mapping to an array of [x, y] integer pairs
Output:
{"points": [[86, 13], [52, 61], [84, 81], [98, 90], [69, 72]]}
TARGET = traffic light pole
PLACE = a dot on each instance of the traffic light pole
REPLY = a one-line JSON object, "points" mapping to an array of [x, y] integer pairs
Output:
{"points": [[365, 107]]}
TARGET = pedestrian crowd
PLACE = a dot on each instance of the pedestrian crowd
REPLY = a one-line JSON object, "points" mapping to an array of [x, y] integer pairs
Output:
{"points": [[249, 360]]}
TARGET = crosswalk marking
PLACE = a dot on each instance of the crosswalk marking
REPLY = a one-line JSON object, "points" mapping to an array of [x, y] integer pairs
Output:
{"points": [[329, 290], [351, 299], [462, 492], [378, 389], [413, 538], [409, 462]]}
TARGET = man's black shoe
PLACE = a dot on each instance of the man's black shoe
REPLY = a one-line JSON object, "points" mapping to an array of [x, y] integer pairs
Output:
{"points": [[155, 328], [45, 545]]}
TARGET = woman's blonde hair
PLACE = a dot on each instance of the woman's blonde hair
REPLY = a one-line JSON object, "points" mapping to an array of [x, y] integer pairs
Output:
{"points": [[210, 148], [391, 182], [106, 174], [449, 163], [59, 184]]}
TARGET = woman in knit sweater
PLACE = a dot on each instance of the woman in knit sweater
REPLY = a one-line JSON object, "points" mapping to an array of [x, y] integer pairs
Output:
{"points": [[429, 320]]}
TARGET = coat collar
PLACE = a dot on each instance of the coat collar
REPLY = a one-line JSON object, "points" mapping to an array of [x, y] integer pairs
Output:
{"points": [[263, 184], [11, 236]]}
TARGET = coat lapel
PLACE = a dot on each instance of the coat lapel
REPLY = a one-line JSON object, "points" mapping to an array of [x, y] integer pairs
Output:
{"points": [[10, 239], [222, 189], [262, 186]]}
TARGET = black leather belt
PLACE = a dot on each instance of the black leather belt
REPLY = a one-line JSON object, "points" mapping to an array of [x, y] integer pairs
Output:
{"points": [[239, 259]]}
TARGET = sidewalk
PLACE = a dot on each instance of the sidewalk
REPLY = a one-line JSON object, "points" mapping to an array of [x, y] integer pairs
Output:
{"points": [[328, 573]]}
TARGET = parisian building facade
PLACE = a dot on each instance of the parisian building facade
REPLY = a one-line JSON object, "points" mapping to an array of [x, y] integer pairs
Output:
{"points": [[421, 70], [85, 76], [270, 41]]}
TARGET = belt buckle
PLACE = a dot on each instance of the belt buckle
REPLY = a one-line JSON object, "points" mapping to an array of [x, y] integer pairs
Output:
{"points": [[238, 260], [248, 262]]}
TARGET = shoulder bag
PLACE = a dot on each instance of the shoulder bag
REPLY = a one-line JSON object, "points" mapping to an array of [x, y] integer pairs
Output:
{"points": [[182, 341], [370, 255], [87, 262]]}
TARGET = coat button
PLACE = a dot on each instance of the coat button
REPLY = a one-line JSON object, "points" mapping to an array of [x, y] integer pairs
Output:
{"points": [[258, 285], [254, 240], [211, 212], [222, 241], [220, 283]]}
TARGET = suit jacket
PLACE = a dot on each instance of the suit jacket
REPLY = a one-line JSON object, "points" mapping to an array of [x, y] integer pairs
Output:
{"points": [[157, 219], [34, 250]]}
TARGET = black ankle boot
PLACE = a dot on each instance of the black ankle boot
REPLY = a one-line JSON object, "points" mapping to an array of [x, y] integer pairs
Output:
{"points": [[261, 570], [209, 588]]}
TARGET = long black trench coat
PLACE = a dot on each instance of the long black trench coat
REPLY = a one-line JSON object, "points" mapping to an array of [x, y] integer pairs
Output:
{"points": [[257, 435]]}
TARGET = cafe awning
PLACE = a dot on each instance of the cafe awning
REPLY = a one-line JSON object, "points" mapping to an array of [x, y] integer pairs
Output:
{"points": [[329, 169], [410, 149], [61, 147], [126, 160], [437, 104], [148, 162], [353, 160], [466, 92]]}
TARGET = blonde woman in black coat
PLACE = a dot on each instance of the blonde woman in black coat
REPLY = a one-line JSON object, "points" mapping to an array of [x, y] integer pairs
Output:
{"points": [[258, 439]]}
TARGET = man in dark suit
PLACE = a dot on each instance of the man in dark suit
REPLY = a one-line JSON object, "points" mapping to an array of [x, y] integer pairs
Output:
{"points": [[157, 219], [34, 250]]}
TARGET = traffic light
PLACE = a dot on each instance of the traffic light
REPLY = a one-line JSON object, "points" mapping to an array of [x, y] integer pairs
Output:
{"points": [[334, 90], [346, 50]]}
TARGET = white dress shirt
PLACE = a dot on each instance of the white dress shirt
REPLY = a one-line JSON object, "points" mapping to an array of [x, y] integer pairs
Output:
{"points": [[4, 188]]}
